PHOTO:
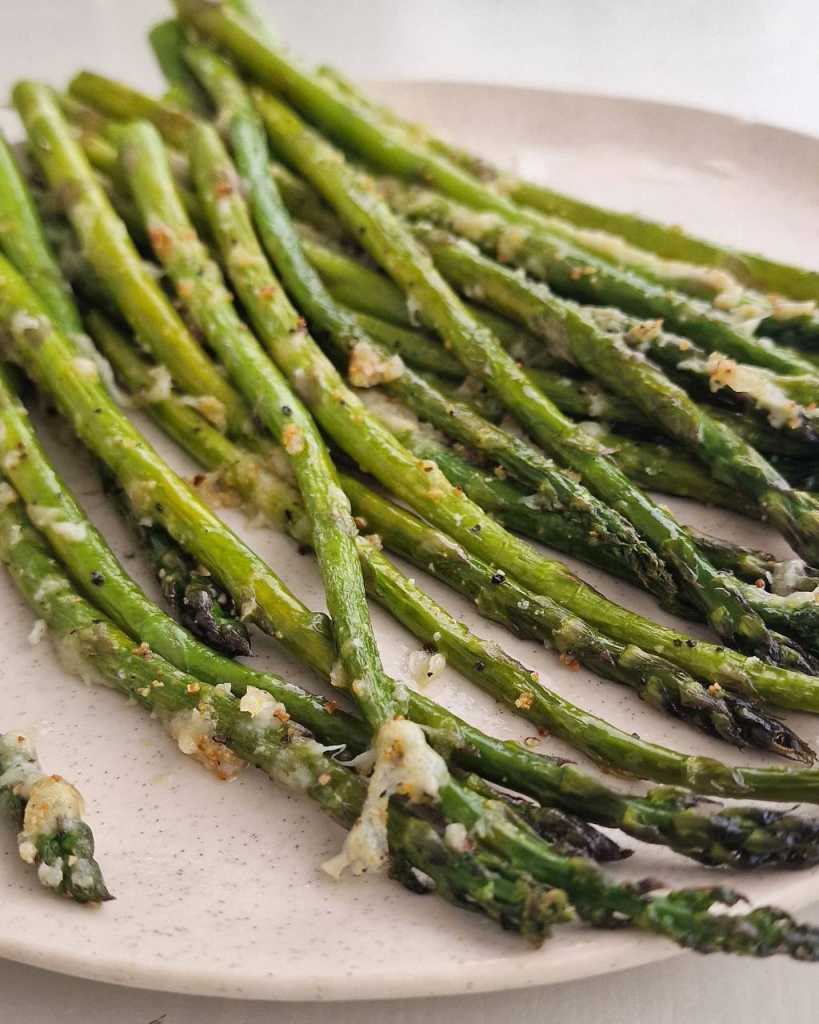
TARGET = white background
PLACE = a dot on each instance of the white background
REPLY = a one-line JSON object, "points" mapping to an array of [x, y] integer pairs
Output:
{"points": [[755, 58]]}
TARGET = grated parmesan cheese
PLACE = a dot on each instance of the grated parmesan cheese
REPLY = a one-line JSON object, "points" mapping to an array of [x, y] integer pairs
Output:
{"points": [[787, 576], [159, 389], [266, 712], [85, 368], [368, 366], [209, 407], [47, 517], [759, 384], [456, 837], [193, 730]]}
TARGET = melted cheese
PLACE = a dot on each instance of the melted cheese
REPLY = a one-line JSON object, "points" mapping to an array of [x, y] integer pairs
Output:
{"points": [[404, 764]]}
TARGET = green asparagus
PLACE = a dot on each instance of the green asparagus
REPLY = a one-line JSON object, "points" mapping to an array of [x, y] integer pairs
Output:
{"points": [[49, 813], [731, 460], [105, 243], [390, 150], [200, 287], [353, 198]]}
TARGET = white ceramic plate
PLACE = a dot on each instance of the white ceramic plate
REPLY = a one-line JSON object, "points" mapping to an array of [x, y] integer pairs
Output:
{"points": [[218, 887]]}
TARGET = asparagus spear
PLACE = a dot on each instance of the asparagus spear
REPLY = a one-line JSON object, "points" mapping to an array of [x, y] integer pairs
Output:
{"points": [[33, 354], [200, 287], [748, 309], [105, 243], [120, 102], [663, 469], [575, 273], [490, 668], [59, 523], [167, 39], [154, 490], [215, 727], [352, 196], [197, 714], [49, 812], [671, 243], [364, 290], [795, 614], [203, 607], [280, 239], [731, 460], [523, 247], [97, 570], [392, 151], [48, 358], [24, 243]]}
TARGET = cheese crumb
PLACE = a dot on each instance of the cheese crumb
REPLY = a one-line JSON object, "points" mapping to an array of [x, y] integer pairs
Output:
{"points": [[38, 631], [456, 837], [266, 712], [368, 366]]}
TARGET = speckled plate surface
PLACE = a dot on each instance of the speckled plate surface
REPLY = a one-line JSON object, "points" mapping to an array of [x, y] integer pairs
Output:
{"points": [[218, 886]]}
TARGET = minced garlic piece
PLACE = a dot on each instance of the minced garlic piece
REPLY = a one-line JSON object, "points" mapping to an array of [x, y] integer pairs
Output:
{"points": [[425, 666]]}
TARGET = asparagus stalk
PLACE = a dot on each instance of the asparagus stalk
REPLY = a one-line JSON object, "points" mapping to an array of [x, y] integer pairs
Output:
{"points": [[121, 103], [197, 714], [50, 815], [671, 243], [203, 607], [167, 39], [96, 569], [522, 248], [731, 460], [105, 243], [200, 287], [281, 241], [485, 664], [215, 727], [49, 359], [155, 492], [581, 275], [364, 290], [24, 243], [393, 152], [352, 197], [795, 614], [747, 309], [464, 804]]}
